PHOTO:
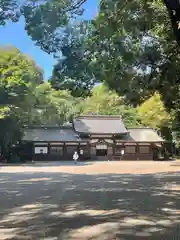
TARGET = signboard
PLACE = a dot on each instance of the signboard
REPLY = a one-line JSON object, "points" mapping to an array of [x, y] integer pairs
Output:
{"points": [[40, 150], [101, 146]]}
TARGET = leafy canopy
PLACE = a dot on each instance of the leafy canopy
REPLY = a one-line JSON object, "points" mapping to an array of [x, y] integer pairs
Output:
{"points": [[18, 75], [51, 107], [153, 112], [72, 71], [134, 50], [106, 102]]}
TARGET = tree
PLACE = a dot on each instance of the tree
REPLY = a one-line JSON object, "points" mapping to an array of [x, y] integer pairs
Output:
{"points": [[18, 75], [175, 115], [135, 53], [25, 100], [51, 107], [72, 71], [45, 19], [14, 64], [153, 112], [134, 50], [106, 102], [9, 10], [173, 7]]}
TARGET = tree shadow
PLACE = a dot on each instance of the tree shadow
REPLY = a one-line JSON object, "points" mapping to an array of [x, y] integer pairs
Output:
{"points": [[78, 206]]}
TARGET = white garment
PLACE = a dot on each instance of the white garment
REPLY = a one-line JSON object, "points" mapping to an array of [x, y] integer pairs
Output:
{"points": [[75, 156]]}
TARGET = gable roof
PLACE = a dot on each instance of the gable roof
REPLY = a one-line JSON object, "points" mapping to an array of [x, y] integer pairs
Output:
{"points": [[144, 135], [50, 135], [64, 134], [96, 124]]}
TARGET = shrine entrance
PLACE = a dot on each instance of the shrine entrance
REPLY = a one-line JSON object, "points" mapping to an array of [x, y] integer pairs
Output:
{"points": [[101, 151]]}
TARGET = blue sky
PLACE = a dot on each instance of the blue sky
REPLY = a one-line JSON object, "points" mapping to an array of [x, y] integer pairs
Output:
{"points": [[14, 34]]}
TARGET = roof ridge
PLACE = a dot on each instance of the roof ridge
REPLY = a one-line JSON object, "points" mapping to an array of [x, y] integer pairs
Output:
{"points": [[47, 127], [140, 128], [98, 117]]}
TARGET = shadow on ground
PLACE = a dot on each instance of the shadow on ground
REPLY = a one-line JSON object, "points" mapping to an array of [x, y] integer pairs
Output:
{"points": [[44, 206]]}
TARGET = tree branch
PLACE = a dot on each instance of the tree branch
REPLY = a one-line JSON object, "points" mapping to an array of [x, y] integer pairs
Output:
{"points": [[77, 5]]}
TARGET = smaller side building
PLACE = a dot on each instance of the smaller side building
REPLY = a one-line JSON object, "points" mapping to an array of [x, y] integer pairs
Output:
{"points": [[100, 138]]}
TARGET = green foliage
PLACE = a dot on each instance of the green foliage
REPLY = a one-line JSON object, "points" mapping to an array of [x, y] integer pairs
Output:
{"points": [[17, 68], [153, 112], [45, 20], [134, 50], [131, 48], [175, 116], [25, 100], [173, 8], [10, 131], [51, 107], [9, 10], [18, 75], [72, 71], [106, 102]]}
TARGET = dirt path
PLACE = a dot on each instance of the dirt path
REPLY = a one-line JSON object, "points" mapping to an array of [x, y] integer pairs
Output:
{"points": [[124, 167], [62, 201]]}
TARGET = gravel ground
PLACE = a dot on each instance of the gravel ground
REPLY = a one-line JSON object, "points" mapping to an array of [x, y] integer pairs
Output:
{"points": [[95, 201]]}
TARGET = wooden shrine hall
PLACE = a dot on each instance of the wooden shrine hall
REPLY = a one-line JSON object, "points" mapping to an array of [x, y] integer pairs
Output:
{"points": [[100, 138]]}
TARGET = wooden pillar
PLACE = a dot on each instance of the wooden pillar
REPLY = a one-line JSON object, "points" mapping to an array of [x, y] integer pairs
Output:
{"points": [[49, 148], [137, 151], [153, 151], [90, 145], [49, 151], [79, 148], [151, 148], [32, 151], [137, 148], [89, 149], [64, 151], [114, 145]]}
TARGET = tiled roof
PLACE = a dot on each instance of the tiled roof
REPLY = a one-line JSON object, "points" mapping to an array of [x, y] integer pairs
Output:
{"points": [[50, 134], [95, 124], [56, 134], [144, 135]]}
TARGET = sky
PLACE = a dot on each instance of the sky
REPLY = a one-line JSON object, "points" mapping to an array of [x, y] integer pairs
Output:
{"points": [[14, 34]]}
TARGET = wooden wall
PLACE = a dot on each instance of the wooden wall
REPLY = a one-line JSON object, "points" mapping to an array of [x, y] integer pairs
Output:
{"points": [[65, 152]]}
